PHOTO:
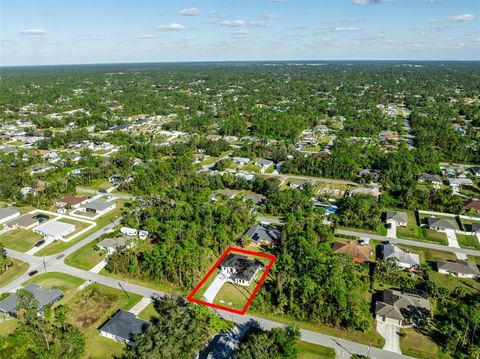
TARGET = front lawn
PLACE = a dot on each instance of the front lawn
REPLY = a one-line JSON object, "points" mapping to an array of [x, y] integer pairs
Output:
{"points": [[468, 241], [8, 326], [234, 296], [148, 313], [12, 272], [90, 309], [450, 282], [311, 351], [86, 257], [20, 239], [415, 344]]}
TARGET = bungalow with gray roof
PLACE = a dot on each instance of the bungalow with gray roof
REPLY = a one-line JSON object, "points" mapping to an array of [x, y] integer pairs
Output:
{"points": [[435, 180], [122, 327], [262, 233], [42, 297], [98, 206], [7, 214], [405, 259], [399, 218], [459, 268], [441, 224]]}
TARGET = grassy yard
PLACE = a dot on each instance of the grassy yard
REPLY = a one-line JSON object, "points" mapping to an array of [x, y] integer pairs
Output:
{"points": [[370, 337], [8, 326], [17, 269], [158, 285], [311, 351], [234, 296], [20, 239], [429, 255], [451, 282], [89, 309], [418, 345], [59, 246], [251, 167], [86, 257], [66, 283], [99, 185], [468, 241], [148, 312]]}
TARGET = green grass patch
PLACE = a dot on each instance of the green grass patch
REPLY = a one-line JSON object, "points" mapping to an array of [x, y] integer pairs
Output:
{"points": [[97, 185], [89, 309], [148, 313], [20, 239], [415, 344], [15, 270], [251, 167], [468, 241], [8, 326], [86, 257], [450, 282], [312, 351]]}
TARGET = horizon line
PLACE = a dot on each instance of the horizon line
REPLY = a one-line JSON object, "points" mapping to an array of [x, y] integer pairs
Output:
{"points": [[235, 61]]}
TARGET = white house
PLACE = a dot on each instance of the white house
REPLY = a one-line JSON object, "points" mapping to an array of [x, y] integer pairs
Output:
{"points": [[98, 206], [129, 231], [241, 160], [55, 230], [240, 269], [459, 268], [406, 260]]}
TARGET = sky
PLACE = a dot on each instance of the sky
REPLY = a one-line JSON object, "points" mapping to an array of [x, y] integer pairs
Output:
{"points": [[42, 32]]}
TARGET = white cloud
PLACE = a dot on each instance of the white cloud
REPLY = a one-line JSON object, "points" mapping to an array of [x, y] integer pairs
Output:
{"points": [[346, 29], [191, 11], [144, 37], [33, 32], [271, 16], [258, 23], [232, 23], [240, 32], [368, 2], [174, 26], [462, 18]]}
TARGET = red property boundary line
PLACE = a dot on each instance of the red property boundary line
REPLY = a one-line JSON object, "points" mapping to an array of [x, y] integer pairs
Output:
{"points": [[255, 291]]}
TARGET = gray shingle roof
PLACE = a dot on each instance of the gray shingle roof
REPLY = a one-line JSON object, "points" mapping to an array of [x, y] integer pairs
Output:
{"points": [[43, 296], [441, 223], [262, 232], [392, 251], [395, 304], [245, 267], [459, 266], [6, 212], [124, 325], [98, 205], [400, 217]]}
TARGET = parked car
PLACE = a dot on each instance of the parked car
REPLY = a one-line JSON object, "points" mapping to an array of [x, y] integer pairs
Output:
{"points": [[39, 243], [32, 273], [102, 191], [60, 256]]}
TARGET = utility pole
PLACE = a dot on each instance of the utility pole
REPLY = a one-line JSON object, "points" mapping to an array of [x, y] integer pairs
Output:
{"points": [[44, 265]]}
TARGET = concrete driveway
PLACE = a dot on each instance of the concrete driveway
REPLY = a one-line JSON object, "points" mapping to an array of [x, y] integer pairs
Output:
{"points": [[452, 242], [214, 287], [392, 231], [390, 332]]}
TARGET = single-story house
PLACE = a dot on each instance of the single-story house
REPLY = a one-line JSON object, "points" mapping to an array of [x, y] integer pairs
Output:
{"points": [[475, 170], [70, 202], [262, 233], [55, 230], [435, 180], [240, 269], [40, 168], [27, 221], [214, 137], [246, 176], [298, 183], [473, 204], [401, 309], [372, 190], [406, 260], [122, 326], [456, 183], [459, 268], [129, 231], [241, 160], [399, 218], [7, 214], [43, 297], [113, 245], [264, 163], [441, 224], [360, 253], [98, 206], [225, 343], [256, 198]]}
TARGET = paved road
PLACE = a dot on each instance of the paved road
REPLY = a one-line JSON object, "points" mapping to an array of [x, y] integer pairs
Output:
{"points": [[56, 263], [410, 242], [114, 195]]}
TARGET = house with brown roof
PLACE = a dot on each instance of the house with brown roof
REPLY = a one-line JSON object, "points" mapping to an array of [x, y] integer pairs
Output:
{"points": [[473, 204], [360, 253], [70, 202]]}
